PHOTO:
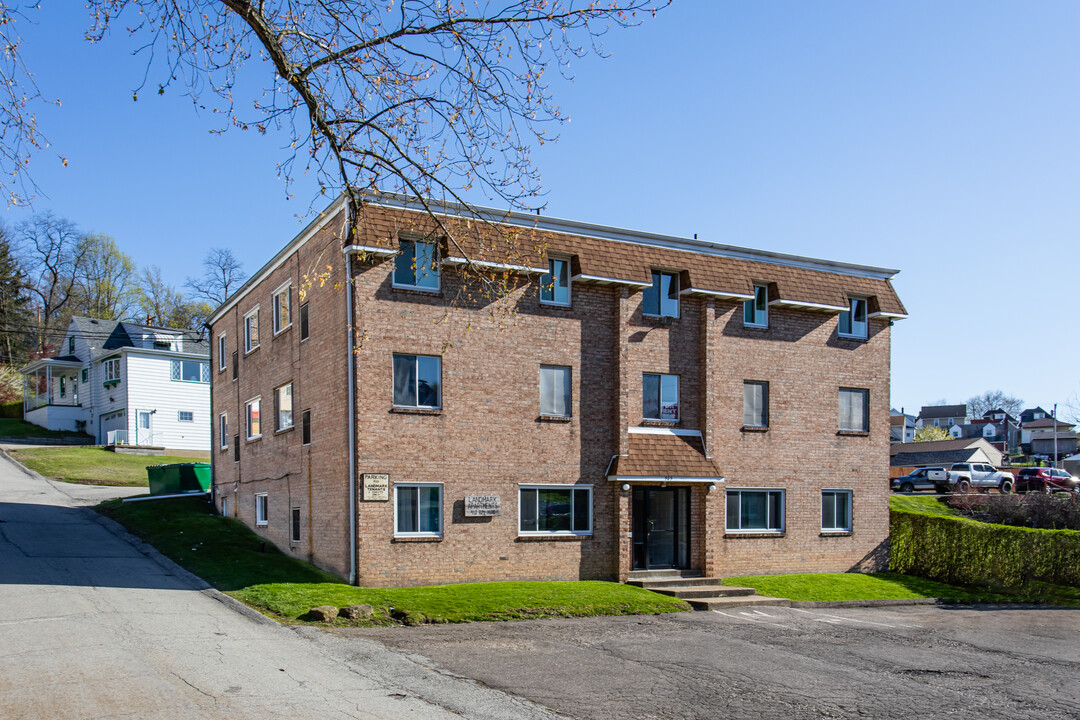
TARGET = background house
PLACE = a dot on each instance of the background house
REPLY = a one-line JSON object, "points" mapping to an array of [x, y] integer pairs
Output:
{"points": [[1038, 438], [941, 453], [901, 427], [124, 384], [944, 416], [997, 427]]}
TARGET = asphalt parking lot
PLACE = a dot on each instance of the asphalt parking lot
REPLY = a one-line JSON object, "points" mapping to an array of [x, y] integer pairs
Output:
{"points": [[899, 662]]}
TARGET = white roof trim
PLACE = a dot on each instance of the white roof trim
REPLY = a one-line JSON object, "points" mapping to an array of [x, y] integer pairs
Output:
{"points": [[370, 250], [608, 280], [891, 315], [716, 293], [658, 478], [453, 260], [663, 431], [809, 305]]}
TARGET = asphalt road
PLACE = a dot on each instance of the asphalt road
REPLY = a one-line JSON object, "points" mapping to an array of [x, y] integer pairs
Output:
{"points": [[94, 624], [904, 663]]}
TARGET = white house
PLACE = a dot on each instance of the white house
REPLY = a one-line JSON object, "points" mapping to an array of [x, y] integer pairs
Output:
{"points": [[124, 384]]}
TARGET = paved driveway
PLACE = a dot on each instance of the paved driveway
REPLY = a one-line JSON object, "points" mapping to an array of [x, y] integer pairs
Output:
{"points": [[93, 626], [911, 662]]}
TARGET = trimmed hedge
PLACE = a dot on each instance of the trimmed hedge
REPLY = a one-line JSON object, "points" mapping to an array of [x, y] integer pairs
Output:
{"points": [[12, 409], [958, 551]]}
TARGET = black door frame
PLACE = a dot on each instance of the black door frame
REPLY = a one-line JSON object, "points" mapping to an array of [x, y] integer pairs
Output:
{"points": [[639, 512]]}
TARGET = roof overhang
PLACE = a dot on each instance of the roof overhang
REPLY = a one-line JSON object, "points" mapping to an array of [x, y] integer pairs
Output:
{"points": [[50, 362]]}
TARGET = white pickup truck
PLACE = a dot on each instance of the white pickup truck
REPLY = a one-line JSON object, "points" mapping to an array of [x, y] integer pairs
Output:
{"points": [[962, 477]]}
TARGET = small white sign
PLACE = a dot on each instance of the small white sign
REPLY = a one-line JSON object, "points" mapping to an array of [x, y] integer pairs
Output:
{"points": [[376, 486], [481, 505]]}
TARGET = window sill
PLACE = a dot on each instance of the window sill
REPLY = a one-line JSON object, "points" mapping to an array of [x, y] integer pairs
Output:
{"points": [[853, 433], [282, 431], [836, 533], [554, 418], [747, 326], [282, 330], [659, 319], [253, 438], [745, 535], [416, 538], [262, 524], [416, 411], [653, 422], [548, 537], [248, 352], [413, 289], [555, 305], [755, 428], [856, 338]]}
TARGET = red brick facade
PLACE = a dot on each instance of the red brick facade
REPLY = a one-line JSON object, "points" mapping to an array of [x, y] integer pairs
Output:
{"points": [[488, 438]]}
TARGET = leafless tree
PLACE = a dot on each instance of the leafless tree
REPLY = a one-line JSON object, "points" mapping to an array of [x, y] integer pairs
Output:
{"points": [[165, 306], [222, 273], [51, 252], [981, 404]]}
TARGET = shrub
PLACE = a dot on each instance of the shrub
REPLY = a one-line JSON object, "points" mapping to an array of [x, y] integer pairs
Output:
{"points": [[12, 410], [1034, 510]]}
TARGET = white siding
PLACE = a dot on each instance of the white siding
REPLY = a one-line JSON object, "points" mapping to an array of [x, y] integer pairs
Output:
{"points": [[105, 399], [150, 387]]}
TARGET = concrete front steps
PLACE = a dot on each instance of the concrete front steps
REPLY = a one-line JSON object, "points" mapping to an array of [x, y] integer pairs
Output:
{"points": [[701, 593]]}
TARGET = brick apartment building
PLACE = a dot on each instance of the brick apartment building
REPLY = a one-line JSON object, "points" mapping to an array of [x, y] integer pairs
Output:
{"points": [[650, 402]]}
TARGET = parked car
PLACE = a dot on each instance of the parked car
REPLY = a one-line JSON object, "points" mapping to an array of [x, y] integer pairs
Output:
{"points": [[934, 478], [964, 476], [1046, 480]]}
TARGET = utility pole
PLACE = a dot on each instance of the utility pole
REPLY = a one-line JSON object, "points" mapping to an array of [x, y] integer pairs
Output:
{"points": [[1055, 435]]}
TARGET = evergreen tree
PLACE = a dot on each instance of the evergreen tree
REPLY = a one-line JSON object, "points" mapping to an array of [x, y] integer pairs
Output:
{"points": [[15, 313]]}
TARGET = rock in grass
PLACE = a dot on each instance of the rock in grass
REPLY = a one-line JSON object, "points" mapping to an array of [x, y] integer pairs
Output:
{"points": [[323, 613], [410, 617], [356, 612]]}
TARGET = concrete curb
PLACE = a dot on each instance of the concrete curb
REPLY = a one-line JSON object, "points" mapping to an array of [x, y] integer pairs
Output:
{"points": [[864, 603]]}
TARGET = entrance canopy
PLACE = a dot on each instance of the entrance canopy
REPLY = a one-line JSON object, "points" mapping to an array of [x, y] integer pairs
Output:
{"points": [[663, 455]]}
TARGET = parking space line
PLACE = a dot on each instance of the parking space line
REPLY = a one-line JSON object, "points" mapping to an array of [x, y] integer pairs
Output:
{"points": [[821, 617], [750, 618]]}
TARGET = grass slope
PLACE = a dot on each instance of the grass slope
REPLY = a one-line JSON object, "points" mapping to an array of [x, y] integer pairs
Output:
{"points": [[15, 428], [231, 557], [930, 504], [93, 465], [820, 587]]}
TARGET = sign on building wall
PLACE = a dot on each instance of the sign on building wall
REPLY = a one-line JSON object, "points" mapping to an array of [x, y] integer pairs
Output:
{"points": [[481, 505], [376, 486]]}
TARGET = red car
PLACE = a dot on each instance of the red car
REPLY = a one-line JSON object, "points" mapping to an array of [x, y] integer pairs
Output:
{"points": [[1046, 480]]}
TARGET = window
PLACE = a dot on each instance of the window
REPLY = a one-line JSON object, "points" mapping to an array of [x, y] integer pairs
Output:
{"points": [[755, 411], [756, 311], [254, 427], [294, 535], [755, 511], [251, 330], [282, 308], [417, 265], [235, 364], [71, 345], [63, 386], [236, 448], [305, 427], [190, 371], [261, 509], [418, 510], [224, 507], [854, 410], [555, 286], [112, 370], [417, 381], [283, 407], [853, 321], [555, 390], [86, 375], [660, 397], [661, 299], [223, 431], [221, 352], [554, 510], [185, 416], [305, 331], [836, 511]]}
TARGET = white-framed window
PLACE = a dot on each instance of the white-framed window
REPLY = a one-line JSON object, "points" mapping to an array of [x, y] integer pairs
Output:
{"points": [[222, 352], [223, 431], [417, 381], [555, 391], [71, 345], [305, 327], [836, 511], [224, 507], [416, 266], [555, 510], [112, 370], [755, 403], [251, 330], [190, 371], [261, 510], [854, 409], [283, 407], [555, 285], [254, 420], [418, 510], [661, 299], [755, 510], [852, 322], [660, 397], [282, 308], [294, 526], [185, 416], [756, 311]]}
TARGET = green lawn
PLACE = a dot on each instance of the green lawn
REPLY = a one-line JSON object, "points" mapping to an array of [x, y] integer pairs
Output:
{"points": [[92, 465], [932, 504], [231, 557], [856, 586], [14, 428]]}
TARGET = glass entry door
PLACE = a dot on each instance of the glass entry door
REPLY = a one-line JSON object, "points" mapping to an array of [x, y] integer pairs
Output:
{"points": [[661, 528]]}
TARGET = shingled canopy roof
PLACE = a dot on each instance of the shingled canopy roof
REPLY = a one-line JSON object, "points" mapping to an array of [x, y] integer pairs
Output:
{"points": [[666, 455]]}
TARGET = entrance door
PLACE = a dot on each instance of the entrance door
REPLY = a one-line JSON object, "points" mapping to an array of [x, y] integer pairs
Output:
{"points": [[144, 428], [661, 527]]}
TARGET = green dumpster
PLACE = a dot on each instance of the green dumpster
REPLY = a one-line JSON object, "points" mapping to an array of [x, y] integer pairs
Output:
{"points": [[178, 478]]}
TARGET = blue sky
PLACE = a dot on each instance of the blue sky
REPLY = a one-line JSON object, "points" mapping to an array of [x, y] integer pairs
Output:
{"points": [[940, 139]]}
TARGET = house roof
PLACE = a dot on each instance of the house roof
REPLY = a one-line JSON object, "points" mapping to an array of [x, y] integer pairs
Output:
{"points": [[933, 445], [1047, 423], [663, 454], [106, 336], [939, 452], [943, 411], [941, 457]]}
